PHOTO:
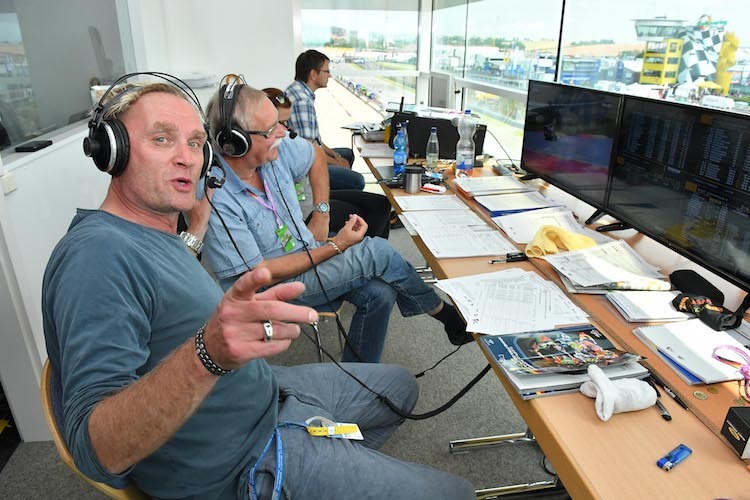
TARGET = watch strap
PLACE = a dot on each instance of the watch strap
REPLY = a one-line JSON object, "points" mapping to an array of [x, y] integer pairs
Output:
{"points": [[193, 242]]}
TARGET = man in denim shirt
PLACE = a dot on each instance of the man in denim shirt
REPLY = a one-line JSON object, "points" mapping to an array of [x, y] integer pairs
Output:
{"points": [[258, 206], [163, 377]]}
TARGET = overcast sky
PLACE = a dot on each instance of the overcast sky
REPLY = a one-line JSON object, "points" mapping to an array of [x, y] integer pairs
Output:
{"points": [[536, 19]]}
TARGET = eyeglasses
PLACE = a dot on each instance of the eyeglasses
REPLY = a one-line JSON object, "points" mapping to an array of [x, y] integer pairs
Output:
{"points": [[280, 99], [324, 71], [264, 133]]}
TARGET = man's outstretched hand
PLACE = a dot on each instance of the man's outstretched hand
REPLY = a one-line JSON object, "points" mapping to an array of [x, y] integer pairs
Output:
{"points": [[235, 334]]}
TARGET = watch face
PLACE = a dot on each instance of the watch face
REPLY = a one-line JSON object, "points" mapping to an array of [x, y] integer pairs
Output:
{"points": [[323, 207]]}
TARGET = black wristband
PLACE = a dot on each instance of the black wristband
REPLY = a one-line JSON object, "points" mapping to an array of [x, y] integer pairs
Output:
{"points": [[200, 350]]}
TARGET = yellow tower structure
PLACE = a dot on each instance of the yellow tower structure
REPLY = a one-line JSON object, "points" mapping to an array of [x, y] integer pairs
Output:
{"points": [[661, 60], [726, 60]]}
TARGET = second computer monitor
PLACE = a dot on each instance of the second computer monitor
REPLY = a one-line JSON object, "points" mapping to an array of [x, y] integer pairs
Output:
{"points": [[682, 176], [569, 136]]}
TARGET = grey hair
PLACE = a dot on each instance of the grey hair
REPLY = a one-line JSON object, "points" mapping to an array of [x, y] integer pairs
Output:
{"points": [[123, 97], [247, 103]]}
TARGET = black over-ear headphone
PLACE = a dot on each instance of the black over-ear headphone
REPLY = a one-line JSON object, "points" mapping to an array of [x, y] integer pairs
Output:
{"points": [[231, 138], [108, 143]]}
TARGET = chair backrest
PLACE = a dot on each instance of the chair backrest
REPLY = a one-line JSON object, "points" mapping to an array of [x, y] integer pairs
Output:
{"points": [[51, 393]]}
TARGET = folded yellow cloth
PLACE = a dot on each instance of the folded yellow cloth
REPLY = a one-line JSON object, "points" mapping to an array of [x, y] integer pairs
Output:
{"points": [[553, 239]]}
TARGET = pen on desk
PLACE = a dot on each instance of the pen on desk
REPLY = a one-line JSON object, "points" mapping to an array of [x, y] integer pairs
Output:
{"points": [[669, 391], [511, 257], [659, 405]]}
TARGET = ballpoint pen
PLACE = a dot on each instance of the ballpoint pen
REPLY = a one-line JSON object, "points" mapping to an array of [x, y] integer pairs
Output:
{"points": [[659, 405], [669, 391], [511, 257]]}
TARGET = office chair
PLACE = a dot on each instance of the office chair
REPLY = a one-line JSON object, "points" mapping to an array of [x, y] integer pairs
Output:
{"points": [[51, 393]]}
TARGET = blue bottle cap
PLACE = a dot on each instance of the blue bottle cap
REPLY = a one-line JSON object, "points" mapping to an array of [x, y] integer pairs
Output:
{"points": [[433, 129]]}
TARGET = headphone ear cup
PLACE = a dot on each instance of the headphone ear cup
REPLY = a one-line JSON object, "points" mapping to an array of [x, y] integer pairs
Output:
{"points": [[109, 146], [122, 152], [208, 156], [233, 142]]}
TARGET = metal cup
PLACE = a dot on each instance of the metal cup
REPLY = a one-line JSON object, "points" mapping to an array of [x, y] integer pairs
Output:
{"points": [[413, 179]]}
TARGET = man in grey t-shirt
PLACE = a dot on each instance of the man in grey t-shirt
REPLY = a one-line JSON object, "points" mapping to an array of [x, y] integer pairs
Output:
{"points": [[163, 376]]}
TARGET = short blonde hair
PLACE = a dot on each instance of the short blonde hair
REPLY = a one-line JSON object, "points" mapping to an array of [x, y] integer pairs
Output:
{"points": [[124, 96]]}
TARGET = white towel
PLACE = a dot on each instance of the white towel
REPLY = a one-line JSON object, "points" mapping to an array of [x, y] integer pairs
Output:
{"points": [[617, 396]]}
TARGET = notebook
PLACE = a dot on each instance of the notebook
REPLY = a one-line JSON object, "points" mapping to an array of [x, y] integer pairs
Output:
{"points": [[688, 347], [647, 307]]}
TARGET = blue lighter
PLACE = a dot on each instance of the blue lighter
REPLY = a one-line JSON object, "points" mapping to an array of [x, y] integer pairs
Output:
{"points": [[674, 457]]}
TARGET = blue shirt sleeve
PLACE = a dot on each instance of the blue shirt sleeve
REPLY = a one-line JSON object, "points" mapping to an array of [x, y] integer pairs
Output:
{"points": [[110, 334]]}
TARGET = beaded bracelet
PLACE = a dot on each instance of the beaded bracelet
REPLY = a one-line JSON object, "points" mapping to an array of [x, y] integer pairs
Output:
{"points": [[200, 350]]}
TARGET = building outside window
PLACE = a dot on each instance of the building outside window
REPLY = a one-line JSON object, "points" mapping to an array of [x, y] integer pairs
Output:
{"points": [[373, 52]]}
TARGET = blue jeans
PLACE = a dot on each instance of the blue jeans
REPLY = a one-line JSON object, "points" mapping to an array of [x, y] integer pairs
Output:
{"points": [[344, 178], [373, 276], [319, 467]]}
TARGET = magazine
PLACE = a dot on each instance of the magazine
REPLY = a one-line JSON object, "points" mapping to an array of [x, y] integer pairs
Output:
{"points": [[571, 350]]}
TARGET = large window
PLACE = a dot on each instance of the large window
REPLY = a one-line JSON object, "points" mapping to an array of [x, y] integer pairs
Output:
{"points": [[684, 50], [495, 47], [50, 54], [372, 45]]}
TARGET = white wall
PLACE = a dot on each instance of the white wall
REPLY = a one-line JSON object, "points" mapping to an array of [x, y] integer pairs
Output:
{"points": [[255, 38], [52, 183]]}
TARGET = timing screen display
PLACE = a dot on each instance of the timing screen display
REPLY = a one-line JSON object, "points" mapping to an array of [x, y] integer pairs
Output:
{"points": [[682, 175], [568, 138]]}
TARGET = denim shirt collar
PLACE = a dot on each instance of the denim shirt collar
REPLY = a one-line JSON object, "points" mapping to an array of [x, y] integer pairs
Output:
{"points": [[233, 183]]}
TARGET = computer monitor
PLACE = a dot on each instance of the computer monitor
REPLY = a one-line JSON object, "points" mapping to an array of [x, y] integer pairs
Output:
{"points": [[569, 136], [681, 175]]}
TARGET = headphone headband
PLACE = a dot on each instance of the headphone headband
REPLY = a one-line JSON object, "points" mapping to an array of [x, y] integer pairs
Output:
{"points": [[231, 138], [108, 143]]}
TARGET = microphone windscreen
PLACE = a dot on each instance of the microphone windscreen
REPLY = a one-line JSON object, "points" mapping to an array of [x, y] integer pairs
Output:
{"points": [[689, 282]]}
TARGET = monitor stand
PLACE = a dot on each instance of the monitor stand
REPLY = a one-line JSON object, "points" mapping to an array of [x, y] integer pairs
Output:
{"points": [[615, 226], [595, 216]]}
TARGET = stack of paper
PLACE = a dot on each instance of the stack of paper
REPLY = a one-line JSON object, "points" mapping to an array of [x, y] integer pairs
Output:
{"points": [[549, 384], [646, 307], [503, 204], [688, 346], [429, 202], [523, 226], [477, 186], [612, 264], [511, 301], [457, 233]]}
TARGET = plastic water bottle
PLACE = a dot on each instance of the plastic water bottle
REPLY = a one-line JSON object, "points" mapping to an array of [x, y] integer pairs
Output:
{"points": [[405, 128], [399, 152], [432, 152], [465, 146]]}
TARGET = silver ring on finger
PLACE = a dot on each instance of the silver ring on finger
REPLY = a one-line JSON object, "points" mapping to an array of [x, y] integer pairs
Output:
{"points": [[268, 331]]}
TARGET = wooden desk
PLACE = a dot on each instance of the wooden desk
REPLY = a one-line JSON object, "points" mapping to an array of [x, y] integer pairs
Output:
{"points": [[617, 459]]}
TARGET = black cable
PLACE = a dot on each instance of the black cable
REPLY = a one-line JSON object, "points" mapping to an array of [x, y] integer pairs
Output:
{"points": [[314, 267], [395, 409], [454, 351], [398, 411], [501, 147]]}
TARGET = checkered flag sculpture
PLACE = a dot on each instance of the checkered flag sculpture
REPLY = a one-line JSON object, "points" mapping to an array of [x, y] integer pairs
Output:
{"points": [[700, 52]]}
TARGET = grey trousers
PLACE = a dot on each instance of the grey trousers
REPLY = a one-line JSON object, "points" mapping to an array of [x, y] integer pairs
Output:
{"points": [[331, 469]]}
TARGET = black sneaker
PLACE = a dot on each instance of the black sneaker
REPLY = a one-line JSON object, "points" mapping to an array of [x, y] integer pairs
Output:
{"points": [[459, 337], [395, 221]]}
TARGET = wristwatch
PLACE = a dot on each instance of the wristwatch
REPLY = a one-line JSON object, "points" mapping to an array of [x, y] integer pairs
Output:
{"points": [[322, 207], [193, 242]]}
